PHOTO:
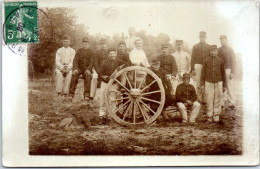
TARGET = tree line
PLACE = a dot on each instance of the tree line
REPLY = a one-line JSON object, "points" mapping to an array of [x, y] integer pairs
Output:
{"points": [[54, 23]]}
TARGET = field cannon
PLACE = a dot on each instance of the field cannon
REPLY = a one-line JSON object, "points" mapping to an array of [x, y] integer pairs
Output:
{"points": [[135, 96]]}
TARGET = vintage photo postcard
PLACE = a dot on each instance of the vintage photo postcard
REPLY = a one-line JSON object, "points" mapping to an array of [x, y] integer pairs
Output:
{"points": [[130, 83]]}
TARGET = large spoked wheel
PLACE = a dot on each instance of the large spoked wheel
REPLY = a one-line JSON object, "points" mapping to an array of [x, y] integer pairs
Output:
{"points": [[135, 96]]}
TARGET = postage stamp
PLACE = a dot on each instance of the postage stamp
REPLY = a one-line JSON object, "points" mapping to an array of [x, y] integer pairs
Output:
{"points": [[21, 22]]}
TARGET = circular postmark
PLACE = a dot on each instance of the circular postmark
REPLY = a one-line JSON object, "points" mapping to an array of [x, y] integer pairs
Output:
{"points": [[21, 25]]}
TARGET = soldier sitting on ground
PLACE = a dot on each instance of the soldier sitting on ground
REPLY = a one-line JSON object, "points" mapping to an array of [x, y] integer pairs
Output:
{"points": [[186, 98]]}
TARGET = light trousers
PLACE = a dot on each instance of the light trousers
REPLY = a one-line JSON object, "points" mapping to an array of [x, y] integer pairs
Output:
{"points": [[230, 93], [213, 96], [93, 84], [112, 96], [63, 83], [200, 93], [195, 109]]}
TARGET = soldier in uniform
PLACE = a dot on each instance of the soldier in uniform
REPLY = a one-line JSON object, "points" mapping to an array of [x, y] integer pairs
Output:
{"points": [[167, 63], [122, 55], [227, 54], [64, 62], [214, 79], [156, 68], [107, 68], [200, 52], [186, 98], [82, 64], [99, 57]]}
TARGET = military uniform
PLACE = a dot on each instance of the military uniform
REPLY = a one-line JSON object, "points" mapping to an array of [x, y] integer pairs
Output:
{"points": [[82, 62], [213, 78], [183, 93], [106, 69], [168, 64], [227, 54], [99, 57]]}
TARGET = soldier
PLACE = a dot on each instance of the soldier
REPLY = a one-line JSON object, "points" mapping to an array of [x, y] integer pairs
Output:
{"points": [[213, 78], [170, 99], [122, 55], [130, 42], [64, 62], [106, 70], [200, 52], [227, 54], [82, 64], [186, 99], [99, 58], [167, 63], [182, 59]]}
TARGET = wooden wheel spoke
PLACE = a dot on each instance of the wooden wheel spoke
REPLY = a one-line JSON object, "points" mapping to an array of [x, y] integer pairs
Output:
{"points": [[119, 99], [144, 114], [128, 81], [127, 110], [142, 82], [144, 98], [121, 107], [135, 77], [148, 85], [122, 85], [147, 107], [157, 91], [134, 113]]}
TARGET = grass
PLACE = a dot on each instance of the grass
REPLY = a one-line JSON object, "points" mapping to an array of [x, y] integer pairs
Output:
{"points": [[46, 137]]}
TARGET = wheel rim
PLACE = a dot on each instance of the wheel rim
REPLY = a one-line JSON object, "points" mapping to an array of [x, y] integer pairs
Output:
{"points": [[129, 101]]}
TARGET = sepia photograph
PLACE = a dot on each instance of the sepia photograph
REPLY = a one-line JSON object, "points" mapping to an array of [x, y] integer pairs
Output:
{"points": [[135, 78]]}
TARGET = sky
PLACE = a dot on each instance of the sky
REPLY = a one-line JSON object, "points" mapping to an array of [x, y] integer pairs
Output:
{"points": [[179, 19]]}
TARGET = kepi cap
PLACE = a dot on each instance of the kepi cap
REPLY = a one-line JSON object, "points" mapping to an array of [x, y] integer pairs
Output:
{"points": [[211, 47], [102, 41], [164, 45], [222, 37], [186, 75], [66, 37], [121, 43], [84, 39], [179, 41], [155, 61], [111, 49]]}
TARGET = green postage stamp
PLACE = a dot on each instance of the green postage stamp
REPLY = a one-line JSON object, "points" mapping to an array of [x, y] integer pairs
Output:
{"points": [[21, 22]]}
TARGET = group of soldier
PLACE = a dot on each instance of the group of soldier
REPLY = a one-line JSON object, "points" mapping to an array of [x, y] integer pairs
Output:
{"points": [[189, 81]]}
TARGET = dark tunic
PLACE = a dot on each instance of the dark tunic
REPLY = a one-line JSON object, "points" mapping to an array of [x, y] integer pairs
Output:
{"points": [[227, 54], [200, 52], [213, 71], [107, 68], [100, 56], [123, 58], [168, 64], [83, 59], [185, 92]]}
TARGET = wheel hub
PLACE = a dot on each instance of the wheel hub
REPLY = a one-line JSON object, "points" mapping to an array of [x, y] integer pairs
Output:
{"points": [[135, 93]]}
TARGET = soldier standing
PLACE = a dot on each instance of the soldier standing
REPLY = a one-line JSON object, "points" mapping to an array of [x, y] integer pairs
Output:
{"points": [[227, 54], [200, 52], [167, 63], [82, 64], [213, 78]]}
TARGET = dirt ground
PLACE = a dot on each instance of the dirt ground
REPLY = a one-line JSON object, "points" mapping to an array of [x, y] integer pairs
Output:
{"points": [[84, 136]]}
